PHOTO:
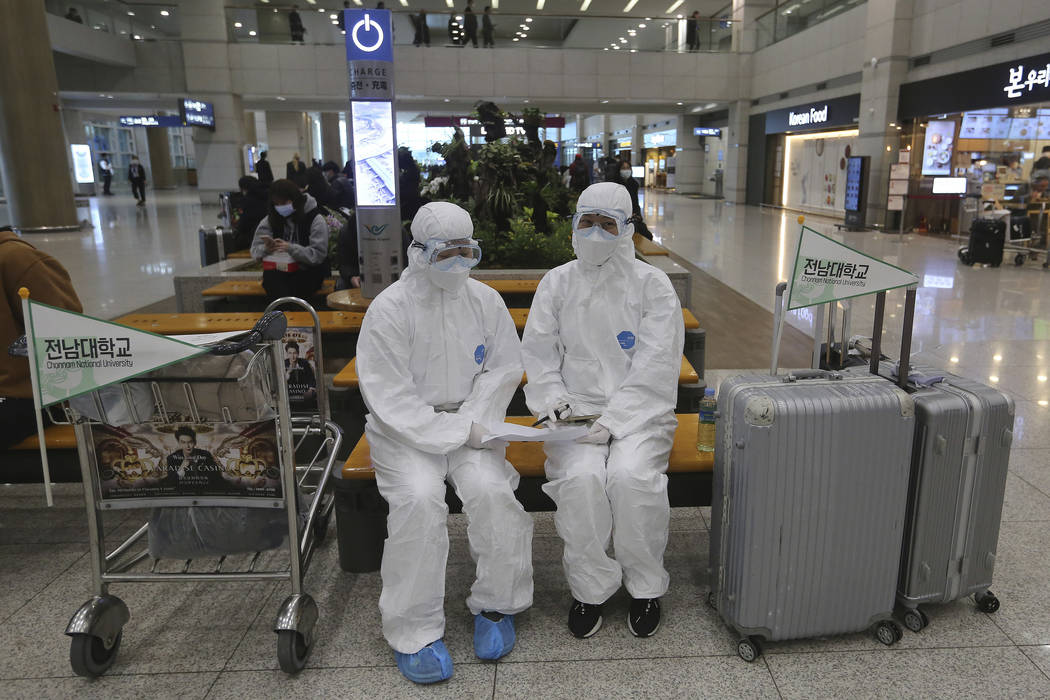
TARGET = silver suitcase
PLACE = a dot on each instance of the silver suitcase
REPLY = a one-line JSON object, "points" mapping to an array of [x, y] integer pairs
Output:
{"points": [[808, 504], [964, 430]]}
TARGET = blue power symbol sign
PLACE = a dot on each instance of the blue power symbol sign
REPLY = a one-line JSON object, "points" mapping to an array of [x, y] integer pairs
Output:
{"points": [[369, 35]]}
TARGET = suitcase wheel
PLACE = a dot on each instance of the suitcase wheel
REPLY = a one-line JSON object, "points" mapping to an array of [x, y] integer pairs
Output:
{"points": [[749, 649], [915, 620], [888, 633], [987, 602], [1019, 259], [712, 602], [965, 257]]}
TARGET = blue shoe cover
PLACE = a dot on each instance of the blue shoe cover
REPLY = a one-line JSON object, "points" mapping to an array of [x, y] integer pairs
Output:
{"points": [[493, 640], [431, 664]]}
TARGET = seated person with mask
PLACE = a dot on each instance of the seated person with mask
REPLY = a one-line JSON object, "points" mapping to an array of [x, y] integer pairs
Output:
{"points": [[604, 338], [292, 243], [438, 358]]}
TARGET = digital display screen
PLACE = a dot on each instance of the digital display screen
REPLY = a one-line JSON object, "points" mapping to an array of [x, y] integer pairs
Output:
{"points": [[854, 171], [375, 169], [197, 113], [937, 151], [637, 171], [83, 172], [949, 185]]}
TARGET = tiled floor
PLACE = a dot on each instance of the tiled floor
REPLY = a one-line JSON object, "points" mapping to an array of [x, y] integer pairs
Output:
{"points": [[202, 640]]}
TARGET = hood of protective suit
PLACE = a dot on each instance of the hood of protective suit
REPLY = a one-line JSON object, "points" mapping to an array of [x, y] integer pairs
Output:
{"points": [[614, 200], [444, 221]]}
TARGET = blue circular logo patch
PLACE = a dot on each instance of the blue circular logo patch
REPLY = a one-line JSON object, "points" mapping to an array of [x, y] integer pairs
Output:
{"points": [[479, 354], [626, 339]]}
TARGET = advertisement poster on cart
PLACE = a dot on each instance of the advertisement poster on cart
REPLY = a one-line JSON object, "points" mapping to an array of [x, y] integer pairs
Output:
{"points": [[147, 461], [826, 270], [300, 368]]}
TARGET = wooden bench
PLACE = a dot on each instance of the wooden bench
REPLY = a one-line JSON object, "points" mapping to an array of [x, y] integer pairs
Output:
{"points": [[239, 255], [331, 321], [253, 288], [347, 377], [57, 437], [21, 462], [361, 511], [643, 246]]}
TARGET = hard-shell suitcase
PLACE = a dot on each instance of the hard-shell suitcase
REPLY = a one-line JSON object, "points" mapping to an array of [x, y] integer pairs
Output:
{"points": [[964, 430], [987, 239], [809, 496]]}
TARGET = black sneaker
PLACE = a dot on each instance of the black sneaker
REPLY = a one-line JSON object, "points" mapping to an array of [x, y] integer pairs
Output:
{"points": [[584, 619], [643, 619]]}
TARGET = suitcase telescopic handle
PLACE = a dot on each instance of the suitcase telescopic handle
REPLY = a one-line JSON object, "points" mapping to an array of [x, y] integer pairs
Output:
{"points": [[876, 335], [778, 326], [811, 374], [271, 326]]}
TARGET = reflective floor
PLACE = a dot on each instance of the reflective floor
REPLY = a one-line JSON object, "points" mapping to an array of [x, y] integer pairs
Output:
{"points": [[216, 641]]}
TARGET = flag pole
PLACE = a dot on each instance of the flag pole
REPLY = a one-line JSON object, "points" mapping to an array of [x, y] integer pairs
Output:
{"points": [[31, 347]]}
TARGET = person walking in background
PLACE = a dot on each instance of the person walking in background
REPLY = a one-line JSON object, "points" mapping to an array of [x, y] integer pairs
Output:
{"points": [[295, 24], [579, 174], [263, 170], [255, 205], [105, 169], [626, 178], [422, 37], [487, 28], [342, 189], [692, 32], [470, 25], [295, 167], [137, 176]]}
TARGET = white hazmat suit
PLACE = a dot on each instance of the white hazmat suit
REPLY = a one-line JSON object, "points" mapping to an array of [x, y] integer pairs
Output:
{"points": [[605, 335], [434, 363]]}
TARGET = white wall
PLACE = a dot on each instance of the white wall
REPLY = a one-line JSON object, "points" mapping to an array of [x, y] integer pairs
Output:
{"points": [[828, 50], [938, 24], [283, 131]]}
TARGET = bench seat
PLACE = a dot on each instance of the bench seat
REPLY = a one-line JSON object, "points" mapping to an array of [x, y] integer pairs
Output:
{"points": [[643, 246], [57, 437], [254, 288]]}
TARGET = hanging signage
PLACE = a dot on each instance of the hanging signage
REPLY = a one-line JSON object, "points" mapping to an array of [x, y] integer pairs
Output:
{"points": [[83, 172], [706, 131], [370, 72], [197, 113], [1014, 82], [447, 122], [839, 112], [826, 270], [153, 120]]}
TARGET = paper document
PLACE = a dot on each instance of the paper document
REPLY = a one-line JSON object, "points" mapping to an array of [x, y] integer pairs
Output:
{"points": [[199, 339], [510, 432]]}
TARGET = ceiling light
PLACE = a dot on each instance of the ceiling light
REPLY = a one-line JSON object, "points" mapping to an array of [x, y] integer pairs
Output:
{"points": [[131, 13], [679, 16], [331, 16], [585, 5], [152, 26], [515, 39], [321, 10], [495, 4], [524, 26], [404, 3], [266, 2], [605, 102], [459, 18], [1041, 377], [252, 33], [526, 101], [237, 25], [675, 6], [312, 2], [335, 22], [605, 49], [164, 13], [630, 5], [540, 4], [447, 100], [679, 104], [137, 37], [528, 19], [641, 25], [997, 358], [449, 3], [634, 50], [1044, 402], [617, 47], [953, 359], [993, 379], [622, 40]]}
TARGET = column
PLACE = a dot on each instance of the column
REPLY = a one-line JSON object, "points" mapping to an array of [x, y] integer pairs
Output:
{"points": [[206, 58], [888, 41], [34, 154], [688, 156], [331, 150], [250, 135], [734, 183], [161, 173], [637, 141]]}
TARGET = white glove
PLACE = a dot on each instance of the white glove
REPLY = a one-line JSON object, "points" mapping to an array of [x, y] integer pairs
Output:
{"points": [[598, 435], [559, 409], [478, 437]]}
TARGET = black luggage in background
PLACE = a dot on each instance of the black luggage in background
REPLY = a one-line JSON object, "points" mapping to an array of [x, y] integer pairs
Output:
{"points": [[215, 244], [987, 238]]}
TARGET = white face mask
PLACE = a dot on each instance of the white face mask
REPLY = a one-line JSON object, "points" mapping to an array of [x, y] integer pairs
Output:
{"points": [[625, 174], [284, 210], [594, 245], [451, 280]]}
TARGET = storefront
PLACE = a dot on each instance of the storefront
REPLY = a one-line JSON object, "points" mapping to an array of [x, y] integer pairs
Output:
{"points": [[659, 157], [800, 159], [712, 140], [978, 141]]}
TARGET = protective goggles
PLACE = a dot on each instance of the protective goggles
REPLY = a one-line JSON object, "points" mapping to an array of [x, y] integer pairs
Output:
{"points": [[444, 252], [583, 220]]}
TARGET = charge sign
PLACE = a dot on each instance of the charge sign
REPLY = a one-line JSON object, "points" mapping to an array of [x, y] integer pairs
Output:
{"points": [[369, 54]]}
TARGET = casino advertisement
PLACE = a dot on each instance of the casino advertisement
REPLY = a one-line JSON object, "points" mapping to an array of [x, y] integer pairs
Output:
{"points": [[300, 368], [187, 460]]}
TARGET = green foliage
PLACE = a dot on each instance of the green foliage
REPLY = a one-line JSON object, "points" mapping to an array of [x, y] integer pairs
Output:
{"points": [[523, 247]]}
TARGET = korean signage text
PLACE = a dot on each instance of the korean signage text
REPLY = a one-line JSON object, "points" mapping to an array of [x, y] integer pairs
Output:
{"points": [[813, 116], [1021, 82], [197, 113], [152, 120], [706, 131]]}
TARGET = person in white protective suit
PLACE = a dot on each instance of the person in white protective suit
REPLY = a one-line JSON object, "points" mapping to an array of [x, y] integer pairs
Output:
{"points": [[438, 358], [604, 338]]}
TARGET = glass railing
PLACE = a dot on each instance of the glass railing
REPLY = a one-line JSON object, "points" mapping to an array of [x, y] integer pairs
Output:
{"points": [[322, 26], [793, 16], [133, 20]]}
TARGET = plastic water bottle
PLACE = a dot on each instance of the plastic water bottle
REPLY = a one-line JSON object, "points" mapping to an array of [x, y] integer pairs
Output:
{"points": [[705, 434]]}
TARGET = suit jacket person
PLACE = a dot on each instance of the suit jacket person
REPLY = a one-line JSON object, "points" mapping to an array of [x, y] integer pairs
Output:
{"points": [[264, 171]]}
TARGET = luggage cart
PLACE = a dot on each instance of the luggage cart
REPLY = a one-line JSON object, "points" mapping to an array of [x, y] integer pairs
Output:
{"points": [[299, 483]]}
